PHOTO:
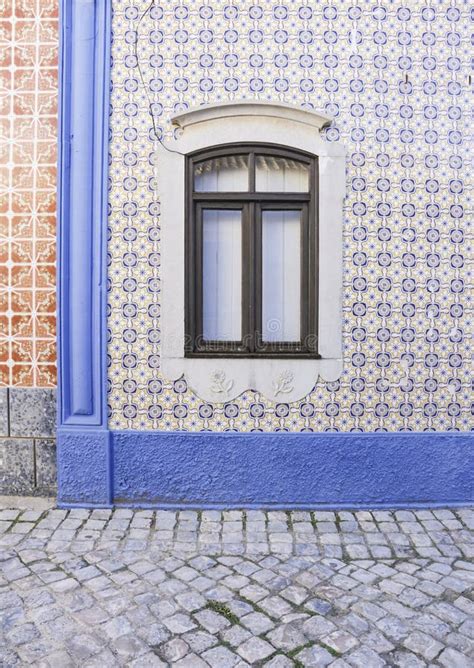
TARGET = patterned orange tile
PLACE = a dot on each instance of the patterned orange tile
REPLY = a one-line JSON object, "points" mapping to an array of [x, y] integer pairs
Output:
{"points": [[45, 301], [4, 227], [4, 352], [46, 326], [4, 153], [45, 276], [23, 178], [4, 177], [4, 129], [48, 79], [27, 233], [22, 375], [47, 104], [46, 177], [47, 128], [5, 56], [46, 153], [4, 103], [21, 276], [45, 351], [4, 374], [4, 301], [46, 375], [21, 301], [4, 277], [24, 104], [45, 226], [45, 251], [23, 129], [22, 351], [4, 251], [22, 202], [6, 30], [23, 153], [22, 226], [22, 326], [31, 9], [46, 202], [5, 79], [25, 31], [24, 80], [24, 55], [48, 57], [22, 251]]}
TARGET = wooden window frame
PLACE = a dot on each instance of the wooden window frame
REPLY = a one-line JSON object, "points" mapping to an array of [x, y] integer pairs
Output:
{"points": [[252, 204]]}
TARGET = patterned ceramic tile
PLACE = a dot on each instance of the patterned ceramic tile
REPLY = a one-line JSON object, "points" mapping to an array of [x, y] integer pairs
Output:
{"points": [[28, 108], [394, 75]]}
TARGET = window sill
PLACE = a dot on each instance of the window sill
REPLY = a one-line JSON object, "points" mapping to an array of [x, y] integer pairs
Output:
{"points": [[223, 379]]}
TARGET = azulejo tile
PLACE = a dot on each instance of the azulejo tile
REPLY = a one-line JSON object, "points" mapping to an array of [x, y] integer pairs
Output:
{"points": [[400, 117]]}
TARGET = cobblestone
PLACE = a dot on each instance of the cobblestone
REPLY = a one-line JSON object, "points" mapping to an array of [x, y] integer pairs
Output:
{"points": [[234, 589]]}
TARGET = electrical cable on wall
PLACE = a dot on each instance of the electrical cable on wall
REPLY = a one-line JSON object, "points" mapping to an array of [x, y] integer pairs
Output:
{"points": [[142, 79]]}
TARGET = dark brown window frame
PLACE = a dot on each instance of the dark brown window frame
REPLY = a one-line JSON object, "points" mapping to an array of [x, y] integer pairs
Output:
{"points": [[251, 204]]}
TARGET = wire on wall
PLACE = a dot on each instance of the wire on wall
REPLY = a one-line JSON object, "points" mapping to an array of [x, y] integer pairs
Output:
{"points": [[142, 79]]}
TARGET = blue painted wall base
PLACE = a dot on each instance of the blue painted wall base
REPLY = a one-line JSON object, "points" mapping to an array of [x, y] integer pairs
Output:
{"points": [[273, 470], [84, 468]]}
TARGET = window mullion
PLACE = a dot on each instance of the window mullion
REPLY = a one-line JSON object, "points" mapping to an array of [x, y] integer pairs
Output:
{"points": [[257, 281], [252, 172], [247, 279], [305, 271]]}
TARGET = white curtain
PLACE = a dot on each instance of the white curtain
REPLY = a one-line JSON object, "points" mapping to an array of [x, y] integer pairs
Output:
{"points": [[274, 174], [222, 275], [226, 174], [281, 278]]}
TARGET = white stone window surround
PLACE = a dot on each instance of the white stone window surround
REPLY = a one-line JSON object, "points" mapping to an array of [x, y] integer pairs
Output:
{"points": [[222, 379]]}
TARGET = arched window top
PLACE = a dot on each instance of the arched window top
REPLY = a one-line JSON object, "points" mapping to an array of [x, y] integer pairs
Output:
{"points": [[252, 168], [251, 108], [252, 121]]}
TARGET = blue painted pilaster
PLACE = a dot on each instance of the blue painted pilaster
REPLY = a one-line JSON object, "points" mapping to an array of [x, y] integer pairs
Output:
{"points": [[83, 441]]}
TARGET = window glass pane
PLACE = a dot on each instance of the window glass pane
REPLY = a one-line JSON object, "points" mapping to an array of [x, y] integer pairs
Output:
{"points": [[273, 174], [226, 174], [222, 275], [281, 275]]}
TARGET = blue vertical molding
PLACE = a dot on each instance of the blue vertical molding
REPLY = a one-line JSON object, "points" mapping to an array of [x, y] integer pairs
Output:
{"points": [[84, 457]]}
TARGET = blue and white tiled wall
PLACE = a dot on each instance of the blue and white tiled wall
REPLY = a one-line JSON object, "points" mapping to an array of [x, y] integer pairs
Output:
{"points": [[395, 77]]}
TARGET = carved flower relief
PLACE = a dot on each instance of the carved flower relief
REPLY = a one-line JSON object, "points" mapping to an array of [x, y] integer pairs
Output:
{"points": [[220, 384], [283, 384]]}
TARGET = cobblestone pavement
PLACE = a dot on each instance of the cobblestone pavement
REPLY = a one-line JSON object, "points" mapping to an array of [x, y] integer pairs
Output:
{"points": [[223, 589]]}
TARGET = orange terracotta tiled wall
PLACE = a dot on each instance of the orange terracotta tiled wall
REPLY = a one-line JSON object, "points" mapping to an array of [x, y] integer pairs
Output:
{"points": [[28, 129]]}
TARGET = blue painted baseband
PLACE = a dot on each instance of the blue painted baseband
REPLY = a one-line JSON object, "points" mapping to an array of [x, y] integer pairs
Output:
{"points": [[269, 470], [85, 467]]}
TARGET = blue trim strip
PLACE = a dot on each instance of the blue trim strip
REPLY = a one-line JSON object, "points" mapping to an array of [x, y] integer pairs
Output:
{"points": [[282, 470]]}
